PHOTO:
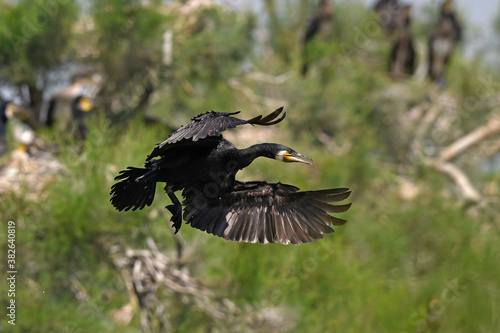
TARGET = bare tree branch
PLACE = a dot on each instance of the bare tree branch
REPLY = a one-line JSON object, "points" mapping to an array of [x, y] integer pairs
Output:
{"points": [[474, 137], [460, 178], [442, 162], [150, 272]]}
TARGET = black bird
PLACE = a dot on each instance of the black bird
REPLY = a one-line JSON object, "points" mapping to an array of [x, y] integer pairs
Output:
{"points": [[402, 57], [80, 107], [442, 42], [74, 122], [319, 22], [6, 112], [389, 13], [199, 161]]}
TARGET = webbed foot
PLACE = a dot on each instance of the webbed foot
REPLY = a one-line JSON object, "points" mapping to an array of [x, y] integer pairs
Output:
{"points": [[176, 218]]}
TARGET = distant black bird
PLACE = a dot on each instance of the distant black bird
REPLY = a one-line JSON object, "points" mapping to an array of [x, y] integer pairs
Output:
{"points": [[199, 161], [79, 111], [402, 57], [389, 14], [7, 111], [5, 114], [74, 121], [319, 22], [442, 42]]}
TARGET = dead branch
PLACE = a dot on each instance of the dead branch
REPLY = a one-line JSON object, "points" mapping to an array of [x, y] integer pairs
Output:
{"points": [[471, 139], [424, 126], [460, 178], [151, 272], [492, 149], [442, 162]]}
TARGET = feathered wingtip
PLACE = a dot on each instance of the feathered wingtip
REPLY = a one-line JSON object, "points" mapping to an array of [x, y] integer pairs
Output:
{"points": [[129, 193], [269, 119]]}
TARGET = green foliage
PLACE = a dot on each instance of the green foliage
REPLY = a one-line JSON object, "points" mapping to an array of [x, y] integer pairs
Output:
{"points": [[34, 36], [129, 39], [423, 264]]}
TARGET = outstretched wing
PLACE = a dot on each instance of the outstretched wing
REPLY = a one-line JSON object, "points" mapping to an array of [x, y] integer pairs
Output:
{"points": [[266, 213], [212, 124]]}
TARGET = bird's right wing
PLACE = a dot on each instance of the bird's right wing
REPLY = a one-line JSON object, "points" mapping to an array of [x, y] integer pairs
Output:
{"points": [[262, 212], [211, 124]]}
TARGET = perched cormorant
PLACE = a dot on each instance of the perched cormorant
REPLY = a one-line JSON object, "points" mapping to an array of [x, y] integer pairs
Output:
{"points": [[199, 161], [317, 23], [442, 42], [79, 110], [6, 112], [389, 14], [402, 57], [74, 121]]}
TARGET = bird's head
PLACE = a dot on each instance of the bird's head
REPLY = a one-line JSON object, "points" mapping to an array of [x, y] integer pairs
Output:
{"points": [[447, 6], [84, 104], [9, 110], [407, 10], [288, 155]]}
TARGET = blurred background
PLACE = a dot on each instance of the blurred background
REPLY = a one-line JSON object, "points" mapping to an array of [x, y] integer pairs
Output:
{"points": [[400, 103]]}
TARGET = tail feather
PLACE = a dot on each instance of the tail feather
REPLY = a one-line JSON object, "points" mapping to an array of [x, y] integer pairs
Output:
{"points": [[132, 192]]}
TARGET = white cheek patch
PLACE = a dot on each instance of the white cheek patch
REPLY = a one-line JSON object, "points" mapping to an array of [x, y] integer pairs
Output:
{"points": [[10, 111], [279, 155]]}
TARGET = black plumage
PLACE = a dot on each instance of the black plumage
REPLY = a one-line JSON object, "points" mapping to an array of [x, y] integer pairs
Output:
{"points": [[80, 107], [6, 112], [3, 127], [198, 161], [389, 15], [318, 22], [442, 42], [402, 57]]}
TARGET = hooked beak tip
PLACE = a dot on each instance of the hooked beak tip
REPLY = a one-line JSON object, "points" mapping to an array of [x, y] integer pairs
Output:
{"points": [[300, 158]]}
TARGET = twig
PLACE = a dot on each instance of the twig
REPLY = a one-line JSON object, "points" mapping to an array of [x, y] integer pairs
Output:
{"points": [[149, 271], [474, 137], [442, 162], [468, 190]]}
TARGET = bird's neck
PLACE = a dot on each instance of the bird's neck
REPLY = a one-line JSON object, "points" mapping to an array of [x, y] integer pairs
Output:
{"points": [[247, 155]]}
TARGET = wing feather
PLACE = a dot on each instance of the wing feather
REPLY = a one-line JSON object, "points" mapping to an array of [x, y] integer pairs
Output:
{"points": [[212, 124], [267, 213]]}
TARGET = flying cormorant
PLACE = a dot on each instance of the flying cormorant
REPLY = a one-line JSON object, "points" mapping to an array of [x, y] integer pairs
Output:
{"points": [[402, 57], [442, 42], [319, 22], [199, 161]]}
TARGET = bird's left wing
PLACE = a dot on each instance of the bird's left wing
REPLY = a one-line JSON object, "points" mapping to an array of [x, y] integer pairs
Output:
{"points": [[211, 124], [266, 213]]}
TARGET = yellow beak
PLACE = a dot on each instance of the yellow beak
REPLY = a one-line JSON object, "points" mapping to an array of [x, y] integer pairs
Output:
{"points": [[86, 105], [296, 157]]}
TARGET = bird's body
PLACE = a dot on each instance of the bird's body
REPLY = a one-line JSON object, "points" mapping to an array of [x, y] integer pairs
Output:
{"points": [[198, 161], [389, 15], [402, 57], [442, 42], [320, 23], [80, 108], [3, 126], [69, 115]]}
